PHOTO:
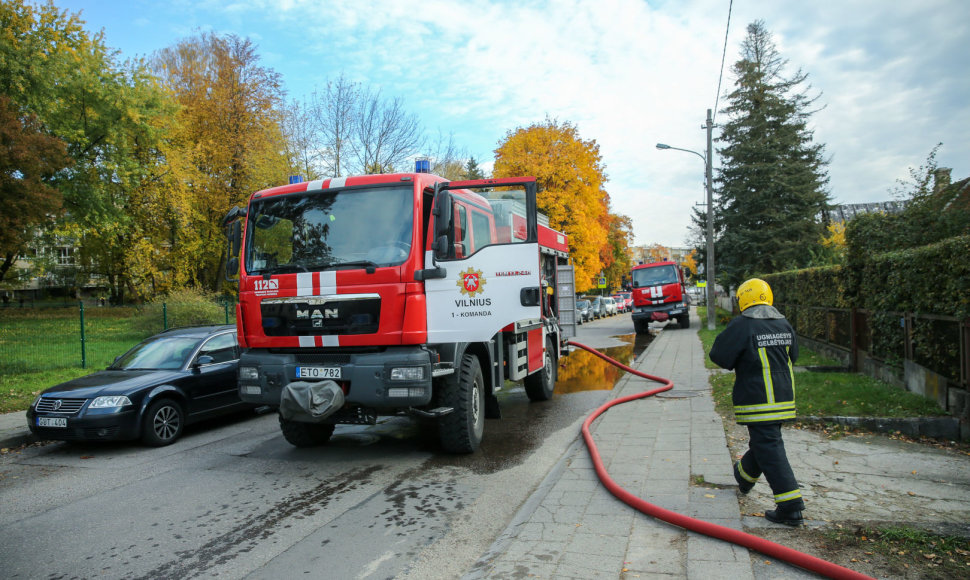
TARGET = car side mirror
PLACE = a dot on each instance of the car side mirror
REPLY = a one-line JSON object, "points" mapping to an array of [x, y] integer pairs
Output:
{"points": [[204, 360]]}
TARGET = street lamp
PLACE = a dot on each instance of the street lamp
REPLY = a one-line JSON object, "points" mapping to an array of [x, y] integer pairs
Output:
{"points": [[709, 274]]}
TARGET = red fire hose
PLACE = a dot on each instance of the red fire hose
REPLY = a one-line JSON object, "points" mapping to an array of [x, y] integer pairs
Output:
{"points": [[749, 541]]}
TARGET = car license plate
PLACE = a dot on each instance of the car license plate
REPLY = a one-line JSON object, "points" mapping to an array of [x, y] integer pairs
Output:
{"points": [[51, 422], [318, 372]]}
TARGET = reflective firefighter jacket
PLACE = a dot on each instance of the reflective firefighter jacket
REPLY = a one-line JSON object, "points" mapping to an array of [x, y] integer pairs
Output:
{"points": [[760, 347]]}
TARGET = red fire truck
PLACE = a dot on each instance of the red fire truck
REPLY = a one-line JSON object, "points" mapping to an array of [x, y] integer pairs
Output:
{"points": [[659, 294], [397, 294]]}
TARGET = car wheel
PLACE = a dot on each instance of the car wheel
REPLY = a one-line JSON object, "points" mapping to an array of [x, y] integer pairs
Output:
{"points": [[461, 430], [162, 423], [540, 385], [306, 434]]}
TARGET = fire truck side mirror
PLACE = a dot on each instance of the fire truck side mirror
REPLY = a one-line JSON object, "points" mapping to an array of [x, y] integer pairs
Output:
{"points": [[442, 214], [234, 233], [235, 237]]}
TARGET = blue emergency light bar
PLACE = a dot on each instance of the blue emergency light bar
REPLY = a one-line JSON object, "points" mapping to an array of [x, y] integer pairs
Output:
{"points": [[422, 165]]}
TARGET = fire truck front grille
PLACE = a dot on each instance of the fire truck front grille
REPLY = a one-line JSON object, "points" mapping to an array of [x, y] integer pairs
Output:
{"points": [[316, 316]]}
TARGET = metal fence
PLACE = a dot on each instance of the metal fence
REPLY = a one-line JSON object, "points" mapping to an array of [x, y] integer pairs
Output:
{"points": [[87, 335], [938, 343]]}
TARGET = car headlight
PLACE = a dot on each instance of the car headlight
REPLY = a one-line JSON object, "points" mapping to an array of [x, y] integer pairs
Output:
{"points": [[109, 402], [249, 373]]}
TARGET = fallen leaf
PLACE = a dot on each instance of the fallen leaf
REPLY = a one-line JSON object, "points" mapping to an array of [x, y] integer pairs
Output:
{"points": [[712, 496], [910, 493], [87, 457], [929, 556]]}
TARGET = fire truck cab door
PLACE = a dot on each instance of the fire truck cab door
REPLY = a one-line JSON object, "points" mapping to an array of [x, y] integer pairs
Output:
{"points": [[486, 242]]}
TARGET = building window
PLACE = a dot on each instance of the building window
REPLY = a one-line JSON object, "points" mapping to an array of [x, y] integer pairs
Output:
{"points": [[65, 256]]}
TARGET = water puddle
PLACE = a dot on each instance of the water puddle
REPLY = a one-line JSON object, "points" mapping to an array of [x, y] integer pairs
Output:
{"points": [[583, 371]]}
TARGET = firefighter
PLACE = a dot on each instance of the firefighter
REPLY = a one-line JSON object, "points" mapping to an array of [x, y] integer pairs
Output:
{"points": [[760, 347]]}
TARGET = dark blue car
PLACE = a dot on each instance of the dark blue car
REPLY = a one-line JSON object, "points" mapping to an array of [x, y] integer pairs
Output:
{"points": [[150, 393]]}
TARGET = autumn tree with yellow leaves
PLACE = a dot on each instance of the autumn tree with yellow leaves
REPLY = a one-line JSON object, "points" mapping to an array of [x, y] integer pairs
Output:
{"points": [[570, 180], [228, 143]]}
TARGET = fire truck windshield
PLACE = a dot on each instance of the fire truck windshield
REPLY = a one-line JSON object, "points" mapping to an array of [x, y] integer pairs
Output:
{"points": [[321, 230], [656, 276]]}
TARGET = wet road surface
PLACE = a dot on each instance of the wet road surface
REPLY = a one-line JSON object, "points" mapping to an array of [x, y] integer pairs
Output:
{"points": [[237, 501]]}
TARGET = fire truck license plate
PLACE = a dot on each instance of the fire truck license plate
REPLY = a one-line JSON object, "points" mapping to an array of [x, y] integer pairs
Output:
{"points": [[318, 372]]}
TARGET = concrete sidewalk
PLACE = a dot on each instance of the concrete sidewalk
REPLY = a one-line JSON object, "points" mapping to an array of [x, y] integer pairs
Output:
{"points": [[667, 449], [14, 431]]}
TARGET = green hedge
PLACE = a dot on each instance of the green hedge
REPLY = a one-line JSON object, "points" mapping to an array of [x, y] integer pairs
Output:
{"points": [[933, 279]]}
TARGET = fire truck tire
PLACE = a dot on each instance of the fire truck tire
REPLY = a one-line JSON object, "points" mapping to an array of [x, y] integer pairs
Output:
{"points": [[684, 321], [540, 385], [640, 327], [306, 434], [461, 430]]}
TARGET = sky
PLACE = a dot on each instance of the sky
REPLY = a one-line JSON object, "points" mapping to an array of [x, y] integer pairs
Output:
{"points": [[893, 76]]}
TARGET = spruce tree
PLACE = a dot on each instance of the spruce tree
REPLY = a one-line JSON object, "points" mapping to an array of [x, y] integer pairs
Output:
{"points": [[771, 186]]}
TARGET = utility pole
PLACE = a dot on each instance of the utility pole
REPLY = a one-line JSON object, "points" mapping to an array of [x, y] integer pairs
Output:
{"points": [[709, 270], [709, 185]]}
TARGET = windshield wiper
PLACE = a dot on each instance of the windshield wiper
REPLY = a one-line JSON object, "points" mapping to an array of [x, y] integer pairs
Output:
{"points": [[284, 268], [369, 266]]}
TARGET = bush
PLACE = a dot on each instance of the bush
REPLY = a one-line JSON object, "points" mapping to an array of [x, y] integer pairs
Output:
{"points": [[186, 307]]}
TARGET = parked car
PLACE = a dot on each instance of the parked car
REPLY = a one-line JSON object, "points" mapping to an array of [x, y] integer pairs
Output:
{"points": [[620, 303], [610, 305], [150, 393], [598, 307], [584, 311], [627, 301]]}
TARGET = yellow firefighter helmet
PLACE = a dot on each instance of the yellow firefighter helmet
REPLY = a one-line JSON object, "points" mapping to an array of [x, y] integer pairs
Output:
{"points": [[754, 291]]}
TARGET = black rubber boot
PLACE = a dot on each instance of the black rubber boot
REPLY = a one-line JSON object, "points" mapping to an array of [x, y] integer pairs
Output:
{"points": [[744, 486], [789, 518]]}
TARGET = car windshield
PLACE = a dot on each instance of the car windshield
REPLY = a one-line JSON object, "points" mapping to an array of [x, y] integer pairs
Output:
{"points": [[656, 276], [321, 230], [165, 352]]}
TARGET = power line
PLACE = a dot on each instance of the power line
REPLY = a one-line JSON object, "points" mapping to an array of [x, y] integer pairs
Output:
{"points": [[723, 57]]}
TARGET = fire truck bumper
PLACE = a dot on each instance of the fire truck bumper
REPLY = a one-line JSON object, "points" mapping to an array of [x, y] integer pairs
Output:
{"points": [[658, 313], [394, 378]]}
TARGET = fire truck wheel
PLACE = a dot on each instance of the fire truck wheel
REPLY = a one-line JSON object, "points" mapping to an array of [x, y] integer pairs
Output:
{"points": [[461, 430], [539, 386], [306, 434], [684, 321]]}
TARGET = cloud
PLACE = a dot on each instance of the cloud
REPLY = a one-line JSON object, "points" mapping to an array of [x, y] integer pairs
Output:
{"points": [[630, 73]]}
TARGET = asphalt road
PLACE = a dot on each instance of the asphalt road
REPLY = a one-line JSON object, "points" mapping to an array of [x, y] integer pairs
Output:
{"points": [[234, 499]]}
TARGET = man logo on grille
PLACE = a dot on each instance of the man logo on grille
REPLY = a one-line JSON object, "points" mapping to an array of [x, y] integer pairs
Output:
{"points": [[471, 282]]}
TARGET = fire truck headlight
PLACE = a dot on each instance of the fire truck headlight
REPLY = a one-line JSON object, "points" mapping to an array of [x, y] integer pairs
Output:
{"points": [[248, 373], [407, 374]]}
